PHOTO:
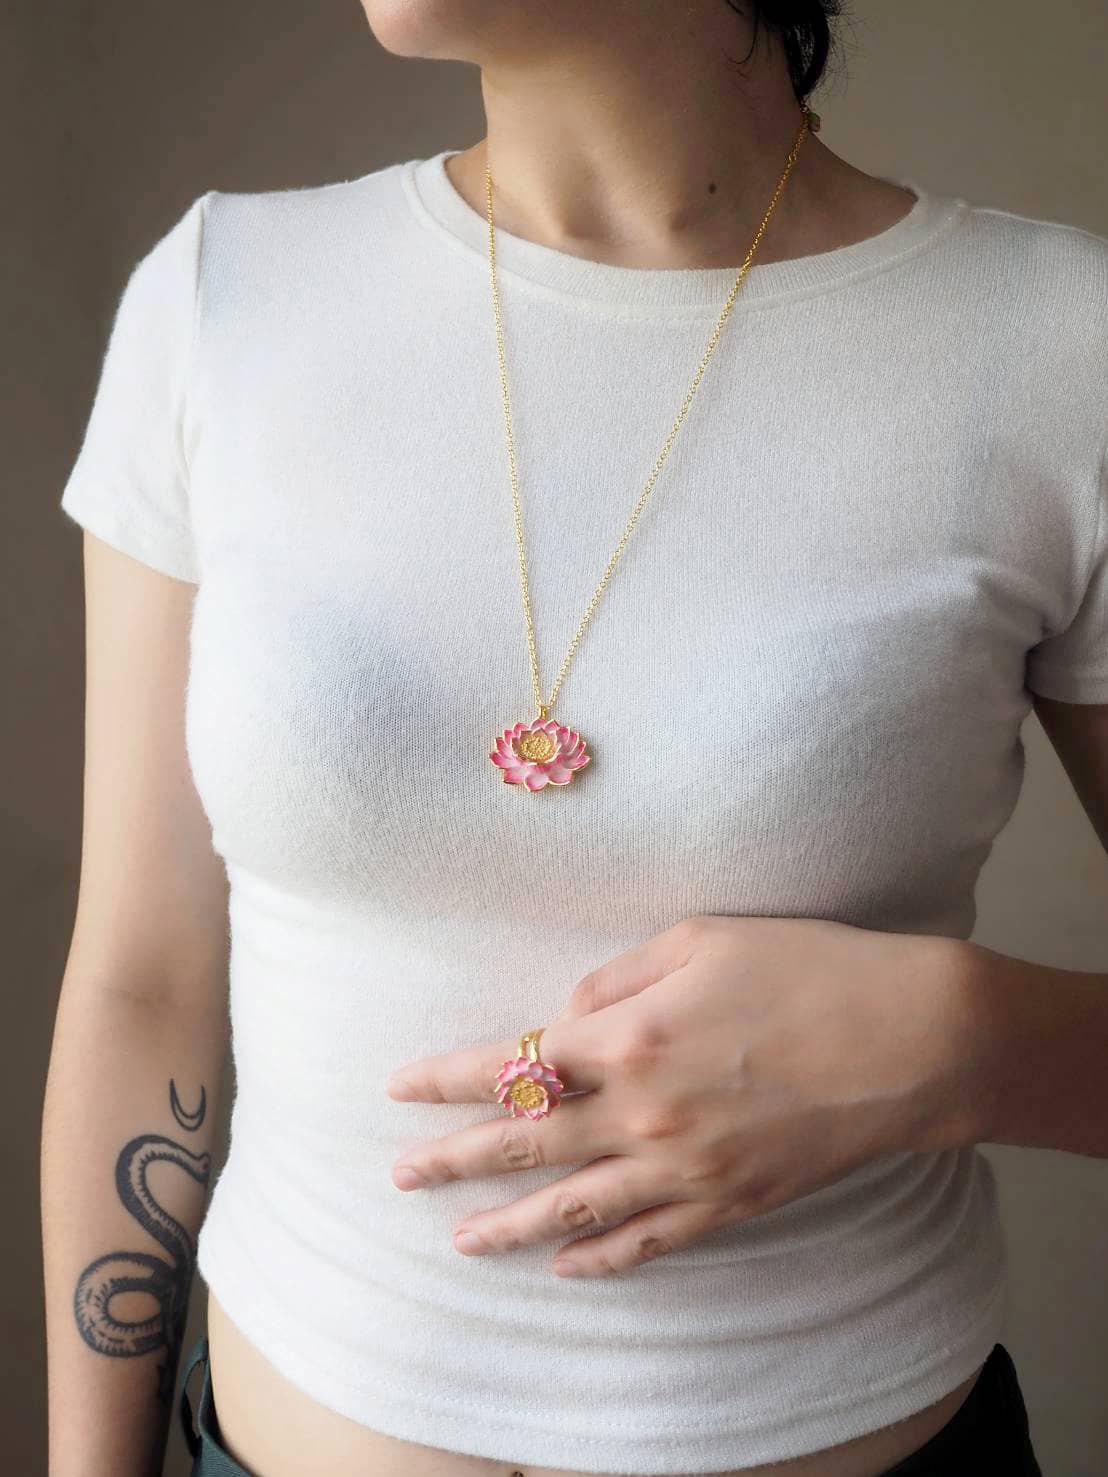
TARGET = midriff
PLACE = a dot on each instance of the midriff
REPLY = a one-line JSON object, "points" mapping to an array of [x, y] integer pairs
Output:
{"points": [[274, 1429]]}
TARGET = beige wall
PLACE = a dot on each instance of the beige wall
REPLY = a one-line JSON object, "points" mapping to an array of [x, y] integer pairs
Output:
{"points": [[115, 117]]}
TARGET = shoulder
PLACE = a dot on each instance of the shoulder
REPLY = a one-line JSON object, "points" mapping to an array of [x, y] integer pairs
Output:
{"points": [[1047, 278], [1031, 236], [268, 224], [271, 240]]}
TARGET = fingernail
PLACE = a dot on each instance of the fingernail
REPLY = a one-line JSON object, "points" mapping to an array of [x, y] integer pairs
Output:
{"points": [[469, 1241], [408, 1178], [566, 1269], [397, 1087]]}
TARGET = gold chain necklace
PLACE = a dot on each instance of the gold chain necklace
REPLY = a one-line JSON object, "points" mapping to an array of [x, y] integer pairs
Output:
{"points": [[545, 752]]}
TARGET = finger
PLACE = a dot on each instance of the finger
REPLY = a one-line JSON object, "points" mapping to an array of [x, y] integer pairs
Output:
{"points": [[578, 1130], [631, 972], [573, 1042], [574, 1048], [647, 1235], [603, 1193]]}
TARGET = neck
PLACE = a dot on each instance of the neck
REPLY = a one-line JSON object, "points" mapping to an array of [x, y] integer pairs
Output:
{"points": [[654, 152]]}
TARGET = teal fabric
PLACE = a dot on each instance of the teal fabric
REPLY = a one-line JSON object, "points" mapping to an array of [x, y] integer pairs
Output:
{"points": [[208, 1456]]}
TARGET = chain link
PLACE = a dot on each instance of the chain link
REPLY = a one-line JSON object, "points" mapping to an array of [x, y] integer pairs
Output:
{"points": [[810, 124]]}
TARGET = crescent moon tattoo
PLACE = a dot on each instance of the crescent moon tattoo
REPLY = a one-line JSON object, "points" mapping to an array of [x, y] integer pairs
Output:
{"points": [[191, 1121]]}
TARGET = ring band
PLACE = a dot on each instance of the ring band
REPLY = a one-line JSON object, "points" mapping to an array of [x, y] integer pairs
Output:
{"points": [[526, 1086]]}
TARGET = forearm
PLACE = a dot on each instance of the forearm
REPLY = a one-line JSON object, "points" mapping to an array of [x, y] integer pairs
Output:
{"points": [[1037, 1069], [124, 1176]]}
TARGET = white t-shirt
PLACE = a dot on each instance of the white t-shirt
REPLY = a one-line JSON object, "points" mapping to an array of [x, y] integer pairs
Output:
{"points": [[881, 523]]}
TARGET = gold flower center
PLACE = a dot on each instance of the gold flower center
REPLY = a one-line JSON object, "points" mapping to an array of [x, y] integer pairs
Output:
{"points": [[537, 745], [527, 1093]]}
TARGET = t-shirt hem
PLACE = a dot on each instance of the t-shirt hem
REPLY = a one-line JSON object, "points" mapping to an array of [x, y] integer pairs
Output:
{"points": [[397, 1412], [128, 536], [1069, 687]]}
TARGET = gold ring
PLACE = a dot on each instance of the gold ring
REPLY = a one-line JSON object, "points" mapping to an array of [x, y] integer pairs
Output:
{"points": [[526, 1086]]}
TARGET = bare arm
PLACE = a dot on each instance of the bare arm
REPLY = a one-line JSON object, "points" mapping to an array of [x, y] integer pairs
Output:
{"points": [[139, 1042], [1042, 1033]]}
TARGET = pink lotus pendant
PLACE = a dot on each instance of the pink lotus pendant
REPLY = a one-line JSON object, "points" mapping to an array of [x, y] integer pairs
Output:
{"points": [[540, 753], [528, 1089]]}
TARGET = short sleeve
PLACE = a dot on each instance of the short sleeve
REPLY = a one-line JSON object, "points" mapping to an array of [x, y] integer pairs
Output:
{"points": [[129, 484], [1072, 665]]}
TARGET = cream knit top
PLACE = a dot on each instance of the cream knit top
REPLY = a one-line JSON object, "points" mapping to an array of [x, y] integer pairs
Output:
{"points": [[880, 528]]}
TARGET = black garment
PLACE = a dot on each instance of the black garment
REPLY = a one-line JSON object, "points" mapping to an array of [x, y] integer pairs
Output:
{"points": [[988, 1434]]}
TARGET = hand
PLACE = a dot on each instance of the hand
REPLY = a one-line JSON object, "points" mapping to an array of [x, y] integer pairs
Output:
{"points": [[718, 1070]]}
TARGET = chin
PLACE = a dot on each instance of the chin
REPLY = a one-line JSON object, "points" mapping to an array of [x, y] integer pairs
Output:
{"points": [[447, 30]]}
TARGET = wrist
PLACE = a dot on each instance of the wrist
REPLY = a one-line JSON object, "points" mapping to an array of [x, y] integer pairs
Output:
{"points": [[1036, 1043], [1032, 1051], [978, 981], [935, 1039], [966, 1043]]}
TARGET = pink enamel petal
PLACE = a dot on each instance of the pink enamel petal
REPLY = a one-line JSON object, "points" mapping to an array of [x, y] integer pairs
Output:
{"points": [[535, 778], [510, 752]]}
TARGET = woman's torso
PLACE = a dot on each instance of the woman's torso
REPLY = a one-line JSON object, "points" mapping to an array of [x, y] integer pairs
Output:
{"points": [[274, 1429], [803, 693]]}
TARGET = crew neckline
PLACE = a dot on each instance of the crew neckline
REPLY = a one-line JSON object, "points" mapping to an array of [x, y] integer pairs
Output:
{"points": [[437, 204]]}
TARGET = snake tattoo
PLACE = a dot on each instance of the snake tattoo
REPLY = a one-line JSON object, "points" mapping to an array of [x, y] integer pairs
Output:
{"points": [[167, 1281]]}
